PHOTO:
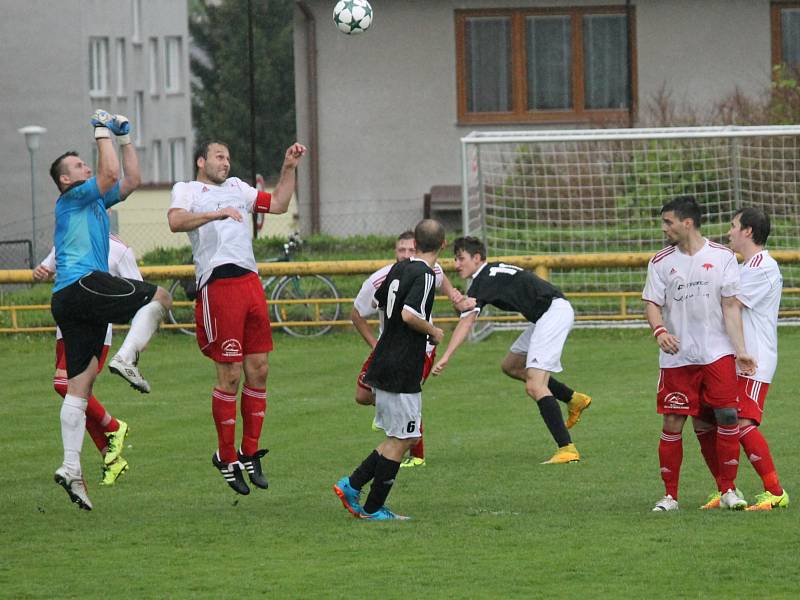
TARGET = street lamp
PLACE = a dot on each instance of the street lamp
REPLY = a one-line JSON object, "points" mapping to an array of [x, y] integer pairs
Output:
{"points": [[32, 133]]}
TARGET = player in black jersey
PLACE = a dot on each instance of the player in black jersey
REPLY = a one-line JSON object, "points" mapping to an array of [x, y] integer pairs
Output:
{"points": [[405, 299], [537, 352]]}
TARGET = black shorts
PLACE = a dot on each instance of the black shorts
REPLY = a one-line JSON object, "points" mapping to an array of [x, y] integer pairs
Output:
{"points": [[84, 309]]}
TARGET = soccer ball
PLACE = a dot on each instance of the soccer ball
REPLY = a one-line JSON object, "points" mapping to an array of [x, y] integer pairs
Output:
{"points": [[352, 16]]}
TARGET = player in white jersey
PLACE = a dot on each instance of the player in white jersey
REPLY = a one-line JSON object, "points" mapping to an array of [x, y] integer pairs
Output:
{"points": [[233, 326], [107, 433], [760, 295], [690, 303], [366, 306]]}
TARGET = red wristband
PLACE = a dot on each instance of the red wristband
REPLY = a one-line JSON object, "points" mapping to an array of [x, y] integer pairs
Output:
{"points": [[263, 200], [659, 330]]}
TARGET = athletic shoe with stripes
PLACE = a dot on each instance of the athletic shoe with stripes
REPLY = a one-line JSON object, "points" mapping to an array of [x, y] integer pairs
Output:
{"points": [[768, 501], [129, 372], [383, 514], [252, 465], [75, 487], [349, 496], [713, 500], [233, 473], [116, 442], [113, 471], [732, 501], [665, 504]]}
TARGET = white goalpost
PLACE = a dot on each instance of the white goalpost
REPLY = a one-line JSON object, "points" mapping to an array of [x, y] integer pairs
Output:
{"points": [[601, 190]]}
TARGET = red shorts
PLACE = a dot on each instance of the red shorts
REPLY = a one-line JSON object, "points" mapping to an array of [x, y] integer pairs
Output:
{"points": [[232, 319], [752, 395], [682, 390], [61, 356], [426, 369]]}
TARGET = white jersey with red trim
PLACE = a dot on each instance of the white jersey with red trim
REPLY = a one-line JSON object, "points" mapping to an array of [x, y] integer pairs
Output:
{"points": [[365, 302], [218, 242], [761, 288], [689, 290], [121, 263]]}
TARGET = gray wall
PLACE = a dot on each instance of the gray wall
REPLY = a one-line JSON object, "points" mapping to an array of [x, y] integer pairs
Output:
{"points": [[388, 125], [45, 77]]}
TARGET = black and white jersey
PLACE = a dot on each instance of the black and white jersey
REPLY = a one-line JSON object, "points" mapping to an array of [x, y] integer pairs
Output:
{"points": [[398, 358], [512, 288]]}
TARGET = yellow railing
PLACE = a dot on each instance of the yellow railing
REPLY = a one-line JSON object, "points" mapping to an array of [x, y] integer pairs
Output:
{"points": [[542, 265]]}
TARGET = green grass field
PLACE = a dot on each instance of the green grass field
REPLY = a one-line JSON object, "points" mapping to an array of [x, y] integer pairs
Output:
{"points": [[489, 521]]}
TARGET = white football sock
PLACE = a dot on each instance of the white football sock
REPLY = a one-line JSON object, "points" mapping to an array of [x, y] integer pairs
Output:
{"points": [[73, 424], [144, 324]]}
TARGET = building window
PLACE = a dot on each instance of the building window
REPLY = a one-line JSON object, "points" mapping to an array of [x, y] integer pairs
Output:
{"points": [[136, 5], [786, 34], [177, 159], [121, 73], [153, 61], [138, 119], [529, 65], [156, 167], [98, 66], [172, 64]]}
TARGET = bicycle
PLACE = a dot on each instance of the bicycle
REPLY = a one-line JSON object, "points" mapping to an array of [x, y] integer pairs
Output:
{"points": [[292, 288]]}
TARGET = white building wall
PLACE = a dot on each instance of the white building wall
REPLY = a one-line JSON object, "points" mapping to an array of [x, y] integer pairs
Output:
{"points": [[388, 126], [45, 75]]}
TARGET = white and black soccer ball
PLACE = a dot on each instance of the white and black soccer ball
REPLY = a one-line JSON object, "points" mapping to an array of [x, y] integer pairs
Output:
{"points": [[352, 16]]}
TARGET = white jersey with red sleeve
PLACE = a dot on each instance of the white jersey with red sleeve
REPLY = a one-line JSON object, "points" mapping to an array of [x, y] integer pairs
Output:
{"points": [[227, 241], [365, 302], [689, 290], [761, 288]]}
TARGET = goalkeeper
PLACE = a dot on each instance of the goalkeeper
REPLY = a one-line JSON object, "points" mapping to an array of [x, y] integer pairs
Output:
{"points": [[537, 352], [86, 297]]}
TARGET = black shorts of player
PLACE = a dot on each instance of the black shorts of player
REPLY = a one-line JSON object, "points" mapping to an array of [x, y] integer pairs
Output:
{"points": [[84, 309]]}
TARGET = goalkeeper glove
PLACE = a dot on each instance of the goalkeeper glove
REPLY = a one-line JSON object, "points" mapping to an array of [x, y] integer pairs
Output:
{"points": [[121, 127], [100, 119]]}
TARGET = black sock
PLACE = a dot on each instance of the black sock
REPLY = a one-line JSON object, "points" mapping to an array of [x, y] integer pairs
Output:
{"points": [[385, 472], [365, 471], [562, 392], [551, 415]]}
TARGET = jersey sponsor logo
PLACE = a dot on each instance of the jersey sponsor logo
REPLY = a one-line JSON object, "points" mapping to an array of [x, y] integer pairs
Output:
{"points": [[205, 189], [693, 289], [231, 347], [676, 401], [673, 270], [707, 266]]}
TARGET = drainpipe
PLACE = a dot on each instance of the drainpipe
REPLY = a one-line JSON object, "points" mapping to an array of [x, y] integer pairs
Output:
{"points": [[313, 113], [629, 24]]}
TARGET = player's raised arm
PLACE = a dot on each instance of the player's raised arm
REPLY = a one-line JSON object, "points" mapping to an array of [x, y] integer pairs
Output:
{"points": [[132, 174], [107, 162], [286, 183], [460, 334]]}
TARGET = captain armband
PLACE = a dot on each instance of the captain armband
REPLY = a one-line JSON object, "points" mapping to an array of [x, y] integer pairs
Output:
{"points": [[263, 201]]}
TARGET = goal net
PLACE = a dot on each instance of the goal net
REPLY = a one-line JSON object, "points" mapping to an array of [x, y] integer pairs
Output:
{"points": [[600, 191]]}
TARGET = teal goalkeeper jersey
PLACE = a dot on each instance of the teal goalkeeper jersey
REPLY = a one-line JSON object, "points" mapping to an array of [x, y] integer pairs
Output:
{"points": [[81, 234]]}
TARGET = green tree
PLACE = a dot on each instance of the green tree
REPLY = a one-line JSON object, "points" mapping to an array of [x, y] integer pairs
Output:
{"points": [[220, 91]]}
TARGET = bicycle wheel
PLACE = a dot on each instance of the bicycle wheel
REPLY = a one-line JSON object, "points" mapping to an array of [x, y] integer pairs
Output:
{"points": [[301, 288], [182, 314]]}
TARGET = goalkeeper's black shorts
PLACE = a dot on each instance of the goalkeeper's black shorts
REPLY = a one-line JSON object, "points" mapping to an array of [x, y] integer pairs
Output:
{"points": [[84, 309]]}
